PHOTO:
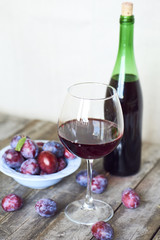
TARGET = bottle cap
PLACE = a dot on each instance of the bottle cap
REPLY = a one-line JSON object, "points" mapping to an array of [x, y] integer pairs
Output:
{"points": [[127, 9]]}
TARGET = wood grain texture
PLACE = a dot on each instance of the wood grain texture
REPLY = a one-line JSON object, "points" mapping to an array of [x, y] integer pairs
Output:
{"points": [[157, 236], [10, 124], [144, 220], [142, 223]]}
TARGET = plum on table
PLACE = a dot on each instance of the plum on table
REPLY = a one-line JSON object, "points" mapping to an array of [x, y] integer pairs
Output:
{"points": [[46, 207], [11, 202], [81, 177], [99, 184], [130, 198], [102, 231]]}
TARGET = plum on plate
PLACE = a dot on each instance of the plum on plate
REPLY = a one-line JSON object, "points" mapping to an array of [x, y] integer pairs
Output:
{"points": [[13, 158], [54, 147], [68, 154], [29, 149], [47, 162], [30, 166], [61, 164]]}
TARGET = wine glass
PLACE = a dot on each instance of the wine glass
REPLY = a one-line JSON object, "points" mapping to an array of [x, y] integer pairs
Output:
{"points": [[90, 126]]}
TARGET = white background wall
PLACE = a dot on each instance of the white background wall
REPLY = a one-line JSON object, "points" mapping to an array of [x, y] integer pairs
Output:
{"points": [[47, 45]]}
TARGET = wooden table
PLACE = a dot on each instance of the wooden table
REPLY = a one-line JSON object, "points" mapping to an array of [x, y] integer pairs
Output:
{"points": [[142, 223]]}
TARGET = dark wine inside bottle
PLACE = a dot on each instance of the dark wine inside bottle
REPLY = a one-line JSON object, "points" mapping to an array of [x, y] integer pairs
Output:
{"points": [[125, 159]]}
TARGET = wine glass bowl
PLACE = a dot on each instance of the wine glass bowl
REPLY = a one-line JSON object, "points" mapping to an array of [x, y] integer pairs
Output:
{"points": [[91, 126]]}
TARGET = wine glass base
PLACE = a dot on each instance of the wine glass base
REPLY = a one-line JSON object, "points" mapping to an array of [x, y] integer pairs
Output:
{"points": [[78, 214]]}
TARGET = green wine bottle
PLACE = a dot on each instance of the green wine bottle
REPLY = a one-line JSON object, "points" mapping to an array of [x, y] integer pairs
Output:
{"points": [[126, 158]]}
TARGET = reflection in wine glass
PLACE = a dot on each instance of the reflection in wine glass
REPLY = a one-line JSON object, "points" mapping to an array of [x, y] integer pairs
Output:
{"points": [[86, 130]]}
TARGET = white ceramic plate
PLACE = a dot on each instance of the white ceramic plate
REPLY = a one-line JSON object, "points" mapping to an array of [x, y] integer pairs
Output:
{"points": [[39, 181]]}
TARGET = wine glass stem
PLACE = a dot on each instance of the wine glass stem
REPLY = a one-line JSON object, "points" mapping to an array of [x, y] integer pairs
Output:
{"points": [[88, 203]]}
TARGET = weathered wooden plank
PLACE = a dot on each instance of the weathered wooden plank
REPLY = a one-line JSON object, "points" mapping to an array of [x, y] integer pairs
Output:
{"points": [[6, 231], [42, 130], [157, 236], [26, 224], [142, 222], [35, 129], [10, 124], [28, 229], [8, 185], [113, 194]]}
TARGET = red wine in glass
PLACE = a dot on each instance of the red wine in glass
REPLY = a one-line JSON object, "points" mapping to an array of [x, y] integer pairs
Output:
{"points": [[84, 129], [90, 139]]}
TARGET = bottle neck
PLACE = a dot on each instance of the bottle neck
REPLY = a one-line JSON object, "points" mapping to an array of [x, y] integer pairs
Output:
{"points": [[126, 35], [125, 62]]}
